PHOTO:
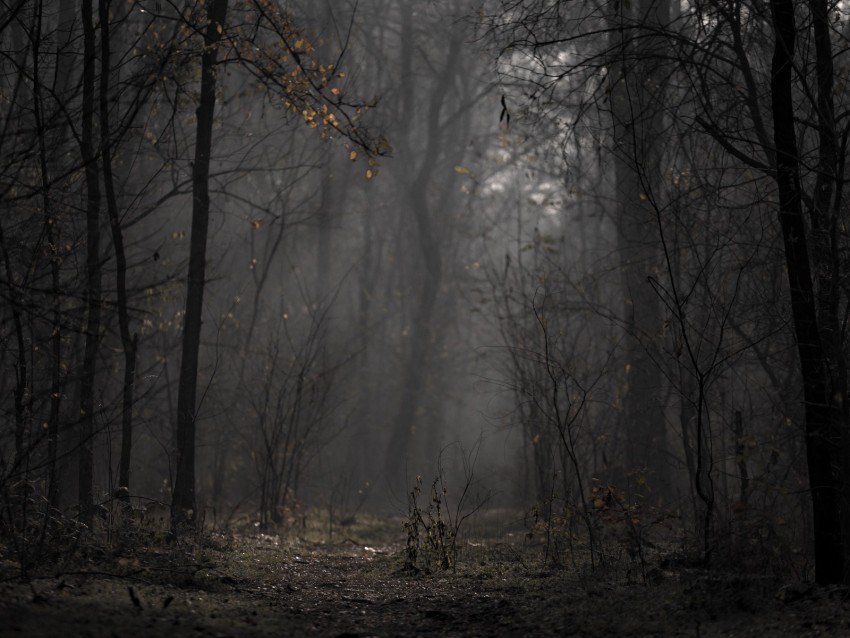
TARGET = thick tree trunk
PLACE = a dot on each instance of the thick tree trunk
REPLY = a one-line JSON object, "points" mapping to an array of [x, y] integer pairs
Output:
{"points": [[822, 441], [52, 228], [637, 98], [183, 504], [93, 271], [826, 209]]}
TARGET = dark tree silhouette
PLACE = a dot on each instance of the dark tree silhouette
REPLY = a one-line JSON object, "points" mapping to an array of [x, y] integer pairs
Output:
{"points": [[822, 439], [183, 503], [92, 295]]}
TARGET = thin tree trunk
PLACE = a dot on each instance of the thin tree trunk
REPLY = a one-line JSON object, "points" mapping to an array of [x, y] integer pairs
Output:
{"points": [[21, 368], [741, 459], [129, 344], [93, 271], [52, 227], [324, 220], [21, 376], [183, 504], [55, 387]]}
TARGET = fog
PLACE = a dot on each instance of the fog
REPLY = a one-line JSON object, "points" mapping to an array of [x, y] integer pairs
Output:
{"points": [[278, 265]]}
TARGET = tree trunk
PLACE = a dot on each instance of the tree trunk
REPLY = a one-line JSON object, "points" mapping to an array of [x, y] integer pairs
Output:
{"points": [[637, 98], [129, 344], [826, 209], [21, 376], [21, 367], [60, 91], [93, 271], [821, 438], [183, 503], [418, 190]]}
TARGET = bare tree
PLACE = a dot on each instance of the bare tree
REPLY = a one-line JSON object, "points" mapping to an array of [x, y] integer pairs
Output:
{"points": [[716, 60], [304, 89], [92, 295]]}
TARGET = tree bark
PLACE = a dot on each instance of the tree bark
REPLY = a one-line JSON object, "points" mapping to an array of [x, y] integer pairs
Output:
{"points": [[637, 98], [129, 344], [183, 504], [93, 271], [61, 93], [821, 438], [14, 296], [21, 368]]}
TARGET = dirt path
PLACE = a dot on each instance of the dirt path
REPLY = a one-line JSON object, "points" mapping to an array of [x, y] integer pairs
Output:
{"points": [[261, 588], [328, 594]]}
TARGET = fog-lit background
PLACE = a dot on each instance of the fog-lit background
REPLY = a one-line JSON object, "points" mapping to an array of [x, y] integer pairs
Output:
{"points": [[459, 238]]}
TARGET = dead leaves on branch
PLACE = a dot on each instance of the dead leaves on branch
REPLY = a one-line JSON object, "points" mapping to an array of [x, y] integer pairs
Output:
{"points": [[290, 70], [265, 39]]}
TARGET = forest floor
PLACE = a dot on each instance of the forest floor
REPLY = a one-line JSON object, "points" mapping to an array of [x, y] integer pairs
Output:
{"points": [[265, 585]]}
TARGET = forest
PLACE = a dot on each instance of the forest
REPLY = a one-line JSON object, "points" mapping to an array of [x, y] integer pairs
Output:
{"points": [[435, 317]]}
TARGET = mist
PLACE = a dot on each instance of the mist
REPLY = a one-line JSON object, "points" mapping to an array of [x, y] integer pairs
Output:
{"points": [[571, 272]]}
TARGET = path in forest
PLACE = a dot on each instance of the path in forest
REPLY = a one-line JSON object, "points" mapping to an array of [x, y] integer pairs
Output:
{"points": [[324, 594], [265, 589]]}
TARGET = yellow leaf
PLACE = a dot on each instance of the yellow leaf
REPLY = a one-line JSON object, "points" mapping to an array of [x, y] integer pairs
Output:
{"points": [[298, 44], [218, 28], [341, 74], [369, 174], [352, 155], [462, 170]]}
